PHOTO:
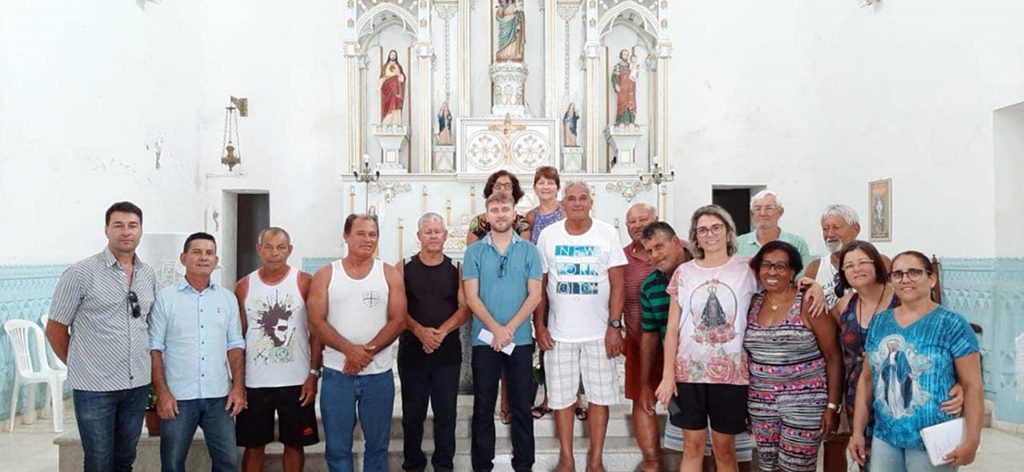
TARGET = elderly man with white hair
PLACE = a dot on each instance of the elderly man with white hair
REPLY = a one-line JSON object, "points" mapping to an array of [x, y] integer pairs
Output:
{"points": [[765, 211], [839, 226], [429, 351]]}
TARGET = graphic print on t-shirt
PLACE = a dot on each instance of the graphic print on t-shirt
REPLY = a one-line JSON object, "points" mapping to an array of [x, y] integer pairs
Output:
{"points": [[371, 298], [897, 387], [713, 310], [274, 321], [580, 266]]}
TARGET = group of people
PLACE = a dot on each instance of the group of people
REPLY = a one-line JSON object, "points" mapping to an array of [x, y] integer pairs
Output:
{"points": [[746, 341]]}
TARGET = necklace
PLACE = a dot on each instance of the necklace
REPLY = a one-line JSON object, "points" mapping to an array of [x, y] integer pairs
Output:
{"points": [[774, 304], [860, 310]]}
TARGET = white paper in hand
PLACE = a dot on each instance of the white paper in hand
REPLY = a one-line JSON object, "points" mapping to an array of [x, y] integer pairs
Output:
{"points": [[943, 438], [488, 337]]}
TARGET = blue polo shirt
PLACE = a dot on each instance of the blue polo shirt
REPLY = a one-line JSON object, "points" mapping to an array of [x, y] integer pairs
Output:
{"points": [[195, 330], [503, 291]]}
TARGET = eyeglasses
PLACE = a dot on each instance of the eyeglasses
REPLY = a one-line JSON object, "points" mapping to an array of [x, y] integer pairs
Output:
{"points": [[133, 302], [716, 229], [913, 274], [776, 266], [858, 264], [768, 208], [501, 266], [506, 186]]}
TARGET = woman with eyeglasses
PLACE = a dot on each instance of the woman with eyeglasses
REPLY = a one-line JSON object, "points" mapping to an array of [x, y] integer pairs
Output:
{"points": [[796, 366], [863, 269], [500, 181], [705, 372], [915, 353]]}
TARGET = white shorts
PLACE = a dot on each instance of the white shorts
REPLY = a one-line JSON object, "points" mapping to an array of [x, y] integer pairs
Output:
{"points": [[564, 365]]}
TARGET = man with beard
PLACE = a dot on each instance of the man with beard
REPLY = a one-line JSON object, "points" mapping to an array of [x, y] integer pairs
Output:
{"points": [[502, 279], [839, 226], [282, 361]]}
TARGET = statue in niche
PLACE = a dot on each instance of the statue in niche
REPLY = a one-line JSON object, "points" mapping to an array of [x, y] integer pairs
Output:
{"points": [[624, 77], [569, 121], [511, 30], [444, 125], [392, 90]]}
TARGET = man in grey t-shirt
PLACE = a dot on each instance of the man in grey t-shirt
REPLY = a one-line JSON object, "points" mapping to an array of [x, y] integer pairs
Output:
{"points": [[98, 327]]}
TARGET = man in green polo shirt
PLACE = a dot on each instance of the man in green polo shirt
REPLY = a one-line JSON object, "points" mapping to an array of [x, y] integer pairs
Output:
{"points": [[765, 211]]}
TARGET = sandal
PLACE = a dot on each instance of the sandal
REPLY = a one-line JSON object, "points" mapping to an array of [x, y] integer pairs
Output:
{"points": [[539, 411], [506, 417], [581, 413]]}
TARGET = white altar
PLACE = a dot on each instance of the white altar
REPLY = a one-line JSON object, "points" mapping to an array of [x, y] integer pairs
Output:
{"points": [[450, 91]]}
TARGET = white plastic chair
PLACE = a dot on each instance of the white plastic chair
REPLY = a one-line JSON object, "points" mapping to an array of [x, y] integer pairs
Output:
{"points": [[55, 361], [21, 332]]}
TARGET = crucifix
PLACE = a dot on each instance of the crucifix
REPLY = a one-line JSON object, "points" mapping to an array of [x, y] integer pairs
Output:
{"points": [[506, 129]]}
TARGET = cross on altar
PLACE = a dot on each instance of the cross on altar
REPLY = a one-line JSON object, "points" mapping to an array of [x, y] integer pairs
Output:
{"points": [[507, 127]]}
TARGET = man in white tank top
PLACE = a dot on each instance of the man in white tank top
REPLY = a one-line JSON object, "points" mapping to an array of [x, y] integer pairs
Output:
{"points": [[357, 308], [282, 361]]}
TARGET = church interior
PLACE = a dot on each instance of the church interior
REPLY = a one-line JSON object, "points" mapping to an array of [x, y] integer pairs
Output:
{"points": [[232, 115]]}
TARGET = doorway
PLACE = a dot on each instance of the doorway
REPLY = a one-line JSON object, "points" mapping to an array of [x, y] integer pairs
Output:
{"points": [[253, 216], [736, 200]]}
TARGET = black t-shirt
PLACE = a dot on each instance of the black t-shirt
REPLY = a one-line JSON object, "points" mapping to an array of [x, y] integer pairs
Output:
{"points": [[433, 296]]}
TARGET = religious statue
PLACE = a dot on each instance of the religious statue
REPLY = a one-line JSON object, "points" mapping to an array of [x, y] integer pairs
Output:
{"points": [[511, 30], [392, 90], [444, 125], [624, 77], [569, 121]]}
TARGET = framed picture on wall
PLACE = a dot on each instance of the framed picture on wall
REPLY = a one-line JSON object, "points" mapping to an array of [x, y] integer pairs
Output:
{"points": [[880, 209]]}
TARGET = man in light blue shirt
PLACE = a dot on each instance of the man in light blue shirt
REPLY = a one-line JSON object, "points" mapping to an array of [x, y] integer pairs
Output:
{"points": [[765, 211], [195, 334]]}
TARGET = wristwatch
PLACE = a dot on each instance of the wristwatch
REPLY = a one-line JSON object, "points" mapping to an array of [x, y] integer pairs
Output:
{"points": [[617, 324], [314, 372], [836, 408]]}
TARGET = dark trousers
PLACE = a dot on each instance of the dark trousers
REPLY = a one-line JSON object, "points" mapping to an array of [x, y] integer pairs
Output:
{"points": [[438, 386], [109, 424], [487, 368]]}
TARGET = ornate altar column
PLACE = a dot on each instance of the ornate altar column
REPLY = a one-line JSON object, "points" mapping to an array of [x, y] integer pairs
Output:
{"points": [[594, 79], [355, 68], [425, 114]]}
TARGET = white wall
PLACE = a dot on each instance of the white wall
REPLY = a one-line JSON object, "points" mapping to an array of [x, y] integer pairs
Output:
{"points": [[815, 99], [88, 91]]}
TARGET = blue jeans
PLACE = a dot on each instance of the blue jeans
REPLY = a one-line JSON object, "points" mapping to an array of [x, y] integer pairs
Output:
{"points": [[110, 424], [345, 397], [888, 458], [218, 430]]}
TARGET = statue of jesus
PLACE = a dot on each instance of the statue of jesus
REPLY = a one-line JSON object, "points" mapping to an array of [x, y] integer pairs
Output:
{"points": [[511, 30], [392, 90]]}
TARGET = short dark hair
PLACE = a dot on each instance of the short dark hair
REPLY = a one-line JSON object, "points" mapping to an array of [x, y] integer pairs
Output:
{"points": [[657, 227], [881, 276], [195, 236], [351, 219], [123, 207], [517, 191], [547, 172], [795, 261]]}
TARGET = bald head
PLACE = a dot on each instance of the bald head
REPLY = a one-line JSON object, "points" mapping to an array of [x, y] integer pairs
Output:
{"points": [[637, 217]]}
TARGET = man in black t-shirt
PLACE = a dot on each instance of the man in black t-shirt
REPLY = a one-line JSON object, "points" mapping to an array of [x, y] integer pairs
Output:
{"points": [[429, 351]]}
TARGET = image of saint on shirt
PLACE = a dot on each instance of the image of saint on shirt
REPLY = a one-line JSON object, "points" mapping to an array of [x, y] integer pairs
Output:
{"points": [[715, 318], [899, 369]]}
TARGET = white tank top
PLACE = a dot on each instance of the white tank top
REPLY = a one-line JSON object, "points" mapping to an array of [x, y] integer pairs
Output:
{"points": [[358, 309], [277, 338], [826, 277]]}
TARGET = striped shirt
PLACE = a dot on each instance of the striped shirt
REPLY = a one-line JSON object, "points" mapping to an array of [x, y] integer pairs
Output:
{"points": [[638, 268], [654, 303], [109, 349]]}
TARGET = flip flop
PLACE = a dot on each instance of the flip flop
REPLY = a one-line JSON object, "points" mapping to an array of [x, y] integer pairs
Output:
{"points": [[581, 413], [506, 417], [539, 411]]}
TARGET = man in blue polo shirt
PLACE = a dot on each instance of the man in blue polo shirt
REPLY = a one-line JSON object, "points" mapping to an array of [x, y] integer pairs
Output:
{"points": [[502, 277], [195, 335]]}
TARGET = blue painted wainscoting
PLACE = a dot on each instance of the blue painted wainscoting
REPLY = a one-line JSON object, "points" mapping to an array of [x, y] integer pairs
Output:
{"points": [[25, 293], [990, 292]]}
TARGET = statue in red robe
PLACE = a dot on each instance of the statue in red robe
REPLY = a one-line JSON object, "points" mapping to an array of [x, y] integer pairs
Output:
{"points": [[392, 90]]}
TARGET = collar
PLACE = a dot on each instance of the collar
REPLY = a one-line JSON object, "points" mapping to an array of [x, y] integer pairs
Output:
{"points": [[515, 239], [183, 285], [110, 261]]}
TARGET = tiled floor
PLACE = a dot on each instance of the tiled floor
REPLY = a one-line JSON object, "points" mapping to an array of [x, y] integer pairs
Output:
{"points": [[30, 448]]}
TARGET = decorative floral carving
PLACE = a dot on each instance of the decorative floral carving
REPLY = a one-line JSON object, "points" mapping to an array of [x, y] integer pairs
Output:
{"points": [[529, 150], [485, 150], [628, 188], [389, 188]]}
